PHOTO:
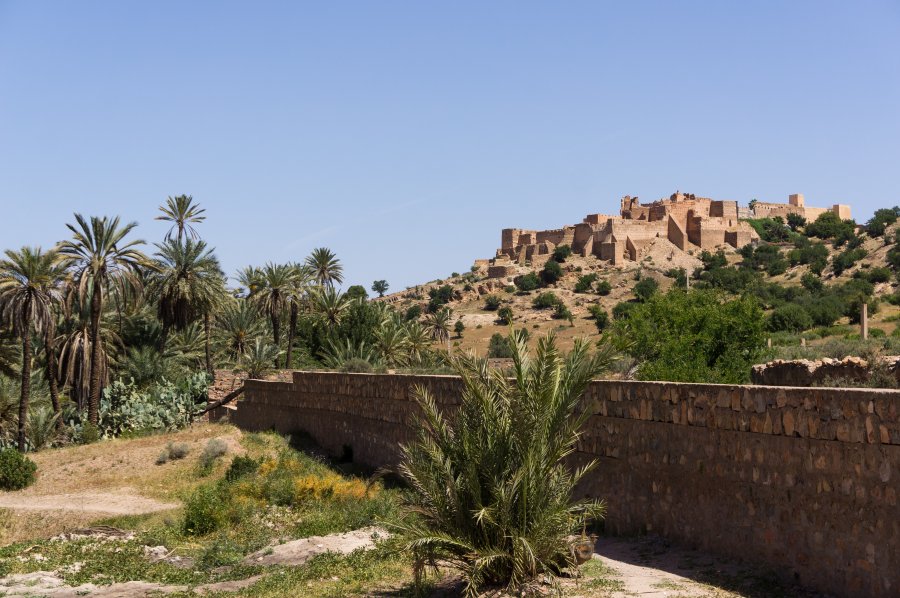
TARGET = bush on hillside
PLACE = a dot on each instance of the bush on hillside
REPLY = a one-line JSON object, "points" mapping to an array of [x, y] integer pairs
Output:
{"points": [[498, 347], [545, 300], [830, 226], [645, 288], [505, 315], [600, 317], [883, 218], [492, 303], [562, 312], [604, 288], [585, 283], [16, 470], [527, 282], [562, 253], [551, 273]]}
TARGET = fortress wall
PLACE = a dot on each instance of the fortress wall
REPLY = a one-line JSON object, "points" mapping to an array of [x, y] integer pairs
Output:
{"points": [[804, 480]]}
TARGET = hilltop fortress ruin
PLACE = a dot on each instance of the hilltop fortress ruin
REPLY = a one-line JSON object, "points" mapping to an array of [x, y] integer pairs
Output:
{"points": [[684, 220]]}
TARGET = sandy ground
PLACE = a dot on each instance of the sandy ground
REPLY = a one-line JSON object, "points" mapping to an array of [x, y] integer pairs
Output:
{"points": [[125, 501]]}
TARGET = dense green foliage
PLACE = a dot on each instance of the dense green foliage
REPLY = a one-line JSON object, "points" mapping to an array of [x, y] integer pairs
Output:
{"points": [[492, 494], [561, 253], [16, 470], [695, 336], [551, 272]]}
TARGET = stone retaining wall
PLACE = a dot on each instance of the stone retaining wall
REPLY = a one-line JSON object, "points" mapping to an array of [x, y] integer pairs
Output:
{"points": [[805, 480]]}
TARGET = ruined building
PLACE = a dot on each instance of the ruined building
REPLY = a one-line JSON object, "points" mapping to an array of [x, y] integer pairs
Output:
{"points": [[684, 220]]}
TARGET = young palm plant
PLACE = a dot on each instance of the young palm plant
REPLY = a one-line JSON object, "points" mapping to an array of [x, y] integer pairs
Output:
{"points": [[30, 282], [491, 490]]}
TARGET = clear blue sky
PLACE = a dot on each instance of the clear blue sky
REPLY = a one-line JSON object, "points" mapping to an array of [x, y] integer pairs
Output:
{"points": [[405, 135]]}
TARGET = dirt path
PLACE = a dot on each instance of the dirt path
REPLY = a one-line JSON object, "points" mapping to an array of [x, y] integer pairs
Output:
{"points": [[111, 503]]}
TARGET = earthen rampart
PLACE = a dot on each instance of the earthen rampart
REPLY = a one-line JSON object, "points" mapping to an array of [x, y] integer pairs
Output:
{"points": [[804, 480]]}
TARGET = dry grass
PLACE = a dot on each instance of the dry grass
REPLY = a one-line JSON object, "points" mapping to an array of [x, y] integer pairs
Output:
{"points": [[120, 473]]}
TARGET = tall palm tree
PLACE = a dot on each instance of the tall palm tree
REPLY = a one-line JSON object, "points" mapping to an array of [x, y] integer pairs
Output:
{"points": [[188, 284], [271, 299], [298, 296], [181, 211], [29, 286], [76, 348], [101, 256], [325, 266]]}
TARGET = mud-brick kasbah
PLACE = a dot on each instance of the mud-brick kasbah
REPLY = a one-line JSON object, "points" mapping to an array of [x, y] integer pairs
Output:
{"points": [[684, 221]]}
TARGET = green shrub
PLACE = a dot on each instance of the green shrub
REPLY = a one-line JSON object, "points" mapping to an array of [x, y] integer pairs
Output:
{"points": [[680, 276], [545, 300], [241, 466], [561, 312], [510, 288], [492, 303], [439, 297], [562, 253], [490, 478], [527, 282], [16, 470], [829, 226], [498, 347], [551, 273], [414, 312], [645, 288], [604, 288], [790, 318], [693, 336], [459, 328], [847, 259], [204, 511], [622, 309], [585, 283], [505, 315], [89, 433], [811, 282]]}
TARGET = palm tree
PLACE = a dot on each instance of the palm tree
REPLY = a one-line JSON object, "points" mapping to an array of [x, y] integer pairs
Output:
{"points": [[189, 285], [250, 279], [29, 286], [330, 304], [438, 324], [298, 295], [181, 211], [238, 325], [391, 343], [100, 257], [277, 281], [418, 342], [325, 266], [76, 348]]}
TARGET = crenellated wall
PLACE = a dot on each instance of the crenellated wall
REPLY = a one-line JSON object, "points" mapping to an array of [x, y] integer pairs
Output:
{"points": [[805, 480]]}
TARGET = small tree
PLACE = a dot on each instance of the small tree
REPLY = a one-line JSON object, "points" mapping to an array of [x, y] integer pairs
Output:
{"points": [[795, 221], [380, 287], [458, 328], [357, 291], [604, 288]]}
